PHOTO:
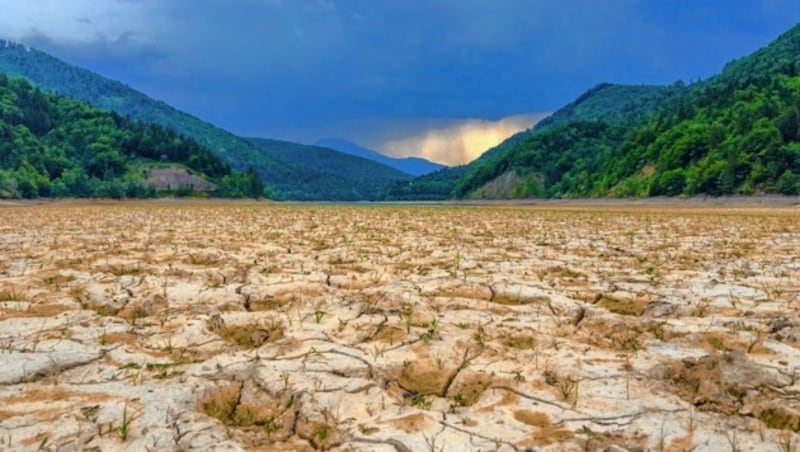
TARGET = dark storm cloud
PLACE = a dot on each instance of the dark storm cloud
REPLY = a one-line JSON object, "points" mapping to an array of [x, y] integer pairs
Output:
{"points": [[312, 63], [302, 69]]}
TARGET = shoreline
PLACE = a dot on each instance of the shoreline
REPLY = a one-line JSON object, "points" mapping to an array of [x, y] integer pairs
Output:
{"points": [[697, 201]]}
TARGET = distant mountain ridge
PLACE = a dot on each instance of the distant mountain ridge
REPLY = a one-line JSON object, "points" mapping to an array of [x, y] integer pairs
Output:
{"points": [[347, 177], [414, 166], [286, 180]]}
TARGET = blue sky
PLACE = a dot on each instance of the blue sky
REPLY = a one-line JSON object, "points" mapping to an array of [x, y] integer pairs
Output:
{"points": [[390, 73]]}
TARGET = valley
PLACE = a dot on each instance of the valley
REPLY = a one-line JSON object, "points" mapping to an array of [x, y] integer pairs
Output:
{"points": [[171, 325]]}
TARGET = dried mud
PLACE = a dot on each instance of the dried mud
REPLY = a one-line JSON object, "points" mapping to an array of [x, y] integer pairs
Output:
{"points": [[230, 326]]}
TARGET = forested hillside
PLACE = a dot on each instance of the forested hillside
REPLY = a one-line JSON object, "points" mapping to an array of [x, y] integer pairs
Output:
{"points": [[736, 133], [286, 180], [435, 186], [55, 146], [621, 103], [329, 174]]}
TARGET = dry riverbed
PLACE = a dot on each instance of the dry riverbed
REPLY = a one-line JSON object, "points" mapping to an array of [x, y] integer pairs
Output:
{"points": [[182, 325]]}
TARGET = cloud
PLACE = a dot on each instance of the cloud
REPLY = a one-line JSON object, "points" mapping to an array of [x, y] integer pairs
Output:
{"points": [[297, 68], [77, 21], [460, 142]]}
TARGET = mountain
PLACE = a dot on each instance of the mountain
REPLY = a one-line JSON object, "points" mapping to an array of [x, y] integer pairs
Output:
{"points": [[735, 133], [286, 180], [54, 146], [413, 166], [342, 176], [621, 103], [435, 186]]}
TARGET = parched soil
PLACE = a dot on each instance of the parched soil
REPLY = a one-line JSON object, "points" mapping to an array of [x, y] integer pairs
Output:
{"points": [[213, 325]]}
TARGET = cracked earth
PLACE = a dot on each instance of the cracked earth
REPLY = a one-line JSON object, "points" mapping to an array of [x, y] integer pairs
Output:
{"points": [[230, 326]]}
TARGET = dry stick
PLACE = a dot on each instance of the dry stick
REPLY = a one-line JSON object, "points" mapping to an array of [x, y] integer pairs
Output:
{"points": [[322, 352], [478, 435], [533, 398], [398, 446], [465, 360], [610, 420], [377, 329], [403, 344]]}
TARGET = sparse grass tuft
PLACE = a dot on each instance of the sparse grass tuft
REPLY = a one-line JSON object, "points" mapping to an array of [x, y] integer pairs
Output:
{"points": [[250, 335], [520, 342], [622, 307], [11, 295], [124, 428], [222, 402]]}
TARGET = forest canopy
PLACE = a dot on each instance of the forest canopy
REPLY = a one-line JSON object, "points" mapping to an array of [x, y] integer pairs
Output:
{"points": [[53, 146]]}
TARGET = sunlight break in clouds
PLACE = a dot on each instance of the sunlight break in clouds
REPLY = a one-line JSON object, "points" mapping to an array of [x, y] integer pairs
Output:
{"points": [[462, 142]]}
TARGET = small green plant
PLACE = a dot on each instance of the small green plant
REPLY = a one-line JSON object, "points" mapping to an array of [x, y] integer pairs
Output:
{"points": [[420, 401], [717, 343], [270, 426], [321, 432], [480, 335], [124, 429], [433, 331], [318, 315]]}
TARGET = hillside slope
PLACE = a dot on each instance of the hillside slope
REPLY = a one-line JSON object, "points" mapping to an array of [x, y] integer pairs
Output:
{"points": [[623, 103], [56, 146], [736, 133], [413, 166], [341, 176], [435, 186], [286, 180]]}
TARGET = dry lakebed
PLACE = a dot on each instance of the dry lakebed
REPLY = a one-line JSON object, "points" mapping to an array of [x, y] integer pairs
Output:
{"points": [[178, 325]]}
